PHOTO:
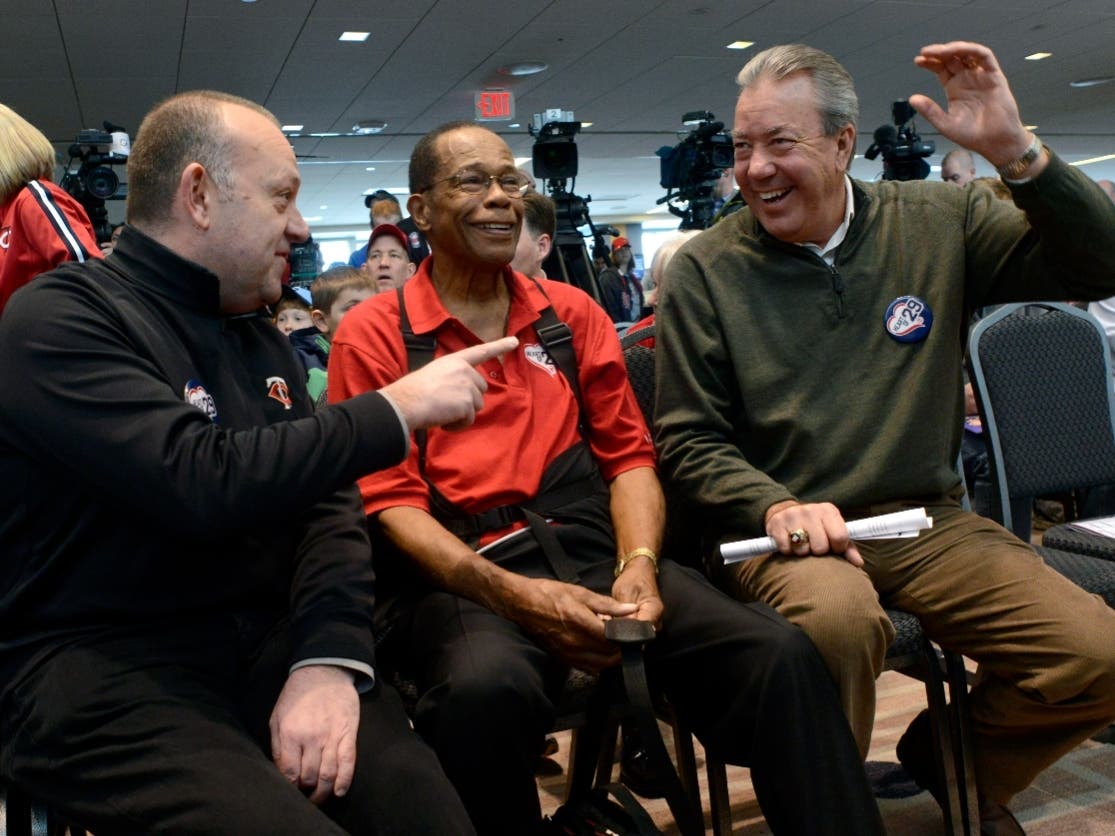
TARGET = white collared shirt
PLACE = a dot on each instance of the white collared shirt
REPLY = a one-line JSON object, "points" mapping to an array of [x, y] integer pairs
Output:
{"points": [[828, 251]]}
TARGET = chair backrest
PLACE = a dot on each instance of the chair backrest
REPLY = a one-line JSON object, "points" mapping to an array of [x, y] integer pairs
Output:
{"points": [[1042, 377], [640, 368]]}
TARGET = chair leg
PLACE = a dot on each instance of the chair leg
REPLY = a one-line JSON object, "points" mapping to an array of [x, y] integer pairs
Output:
{"points": [[686, 760], [720, 806], [586, 744], [955, 822], [606, 759], [960, 716]]}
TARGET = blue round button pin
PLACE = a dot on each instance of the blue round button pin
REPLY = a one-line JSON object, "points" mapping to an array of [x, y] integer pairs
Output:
{"points": [[908, 319]]}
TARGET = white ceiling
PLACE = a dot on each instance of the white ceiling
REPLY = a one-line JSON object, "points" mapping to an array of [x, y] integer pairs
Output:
{"points": [[631, 67]]}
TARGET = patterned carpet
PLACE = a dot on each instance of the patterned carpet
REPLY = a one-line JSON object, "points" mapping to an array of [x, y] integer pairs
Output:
{"points": [[1075, 797]]}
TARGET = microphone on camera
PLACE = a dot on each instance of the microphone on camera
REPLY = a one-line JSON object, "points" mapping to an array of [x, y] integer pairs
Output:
{"points": [[886, 137]]}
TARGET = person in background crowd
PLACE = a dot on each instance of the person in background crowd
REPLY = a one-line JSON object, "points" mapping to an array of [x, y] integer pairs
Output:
{"points": [[536, 238], [383, 208], [107, 246], [292, 312], [958, 167], [41, 225], [386, 262], [656, 274], [336, 292], [622, 295]]}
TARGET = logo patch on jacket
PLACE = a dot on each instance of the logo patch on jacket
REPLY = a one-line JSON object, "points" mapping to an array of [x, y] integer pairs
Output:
{"points": [[196, 395], [277, 390], [908, 319], [540, 357]]}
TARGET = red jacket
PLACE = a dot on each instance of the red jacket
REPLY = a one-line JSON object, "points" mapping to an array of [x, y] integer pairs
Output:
{"points": [[40, 227]]}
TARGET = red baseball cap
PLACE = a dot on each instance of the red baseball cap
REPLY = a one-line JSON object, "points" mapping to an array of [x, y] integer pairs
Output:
{"points": [[620, 243], [388, 229]]}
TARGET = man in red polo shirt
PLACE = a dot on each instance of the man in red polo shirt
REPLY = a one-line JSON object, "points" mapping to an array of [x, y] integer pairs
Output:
{"points": [[522, 534]]}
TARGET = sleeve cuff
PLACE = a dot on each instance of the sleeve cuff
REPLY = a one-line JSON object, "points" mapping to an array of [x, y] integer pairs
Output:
{"points": [[363, 677], [402, 421]]}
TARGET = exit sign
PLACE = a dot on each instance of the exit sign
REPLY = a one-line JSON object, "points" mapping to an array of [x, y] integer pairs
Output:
{"points": [[495, 106]]}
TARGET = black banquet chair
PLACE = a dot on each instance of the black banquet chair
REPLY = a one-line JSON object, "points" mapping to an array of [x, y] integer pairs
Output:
{"points": [[910, 653], [1041, 373]]}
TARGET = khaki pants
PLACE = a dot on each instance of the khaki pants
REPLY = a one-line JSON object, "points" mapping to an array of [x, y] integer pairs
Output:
{"points": [[1045, 647]]}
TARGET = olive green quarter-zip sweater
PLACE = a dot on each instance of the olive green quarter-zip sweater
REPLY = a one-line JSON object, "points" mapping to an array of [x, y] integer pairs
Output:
{"points": [[778, 378]]}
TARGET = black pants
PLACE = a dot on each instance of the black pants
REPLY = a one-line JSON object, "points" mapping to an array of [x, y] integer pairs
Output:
{"points": [[165, 731], [751, 685]]}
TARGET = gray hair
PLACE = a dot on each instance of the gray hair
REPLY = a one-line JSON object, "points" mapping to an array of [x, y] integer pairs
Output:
{"points": [[835, 93]]}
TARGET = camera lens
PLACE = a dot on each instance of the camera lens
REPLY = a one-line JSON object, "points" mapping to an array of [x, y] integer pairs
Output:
{"points": [[102, 182]]}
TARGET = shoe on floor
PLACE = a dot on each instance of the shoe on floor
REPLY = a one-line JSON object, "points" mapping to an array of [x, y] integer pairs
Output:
{"points": [[636, 771], [996, 820], [915, 753]]}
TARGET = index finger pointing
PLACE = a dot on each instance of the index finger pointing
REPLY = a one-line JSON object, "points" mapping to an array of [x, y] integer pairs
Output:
{"points": [[474, 355]]}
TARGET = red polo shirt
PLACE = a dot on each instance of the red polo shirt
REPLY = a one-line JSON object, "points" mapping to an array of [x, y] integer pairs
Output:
{"points": [[530, 413]]}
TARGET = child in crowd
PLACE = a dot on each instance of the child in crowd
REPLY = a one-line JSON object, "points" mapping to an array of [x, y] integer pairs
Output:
{"points": [[292, 315], [335, 293], [292, 311], [310, 327]]}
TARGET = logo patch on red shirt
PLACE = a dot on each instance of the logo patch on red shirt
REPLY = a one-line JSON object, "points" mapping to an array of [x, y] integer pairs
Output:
{"points": [[538, 355]]}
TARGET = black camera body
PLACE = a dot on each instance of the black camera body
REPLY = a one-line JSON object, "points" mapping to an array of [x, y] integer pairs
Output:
{"points": [[690, 169], [554, 155], [95, 181], [698, 159], [903, 151]]}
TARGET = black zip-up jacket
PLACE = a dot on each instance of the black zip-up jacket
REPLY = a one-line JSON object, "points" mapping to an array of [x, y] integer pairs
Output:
{"points": [[161, 461]]}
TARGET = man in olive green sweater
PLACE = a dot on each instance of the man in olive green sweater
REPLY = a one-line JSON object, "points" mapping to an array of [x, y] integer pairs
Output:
{"points": [[810, 351]]}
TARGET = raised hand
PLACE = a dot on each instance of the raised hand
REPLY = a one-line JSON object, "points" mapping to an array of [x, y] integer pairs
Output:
{"points": [[982, 114]]}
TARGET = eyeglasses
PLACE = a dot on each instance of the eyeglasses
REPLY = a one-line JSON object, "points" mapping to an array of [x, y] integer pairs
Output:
{"points": [[477, 182]]}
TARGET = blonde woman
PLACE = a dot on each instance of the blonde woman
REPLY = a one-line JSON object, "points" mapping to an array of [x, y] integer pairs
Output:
{"points": [[41, 225]]}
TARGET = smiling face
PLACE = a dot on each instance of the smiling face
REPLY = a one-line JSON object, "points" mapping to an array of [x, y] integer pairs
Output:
{"points": [[466, 229], [255, 220], [790, 173]]}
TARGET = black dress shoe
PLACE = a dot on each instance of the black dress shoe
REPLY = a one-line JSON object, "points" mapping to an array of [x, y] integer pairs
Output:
{"points": [[915, 753], [636, 771], [996, 820]]}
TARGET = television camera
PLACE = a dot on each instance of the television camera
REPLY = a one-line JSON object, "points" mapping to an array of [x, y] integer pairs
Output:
{"points": [[94, 181], [554, 160], [903, 151], [690, 169]]}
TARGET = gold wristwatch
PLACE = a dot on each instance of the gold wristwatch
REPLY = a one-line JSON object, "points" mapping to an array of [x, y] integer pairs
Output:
{"points": [[1016, 169]]}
